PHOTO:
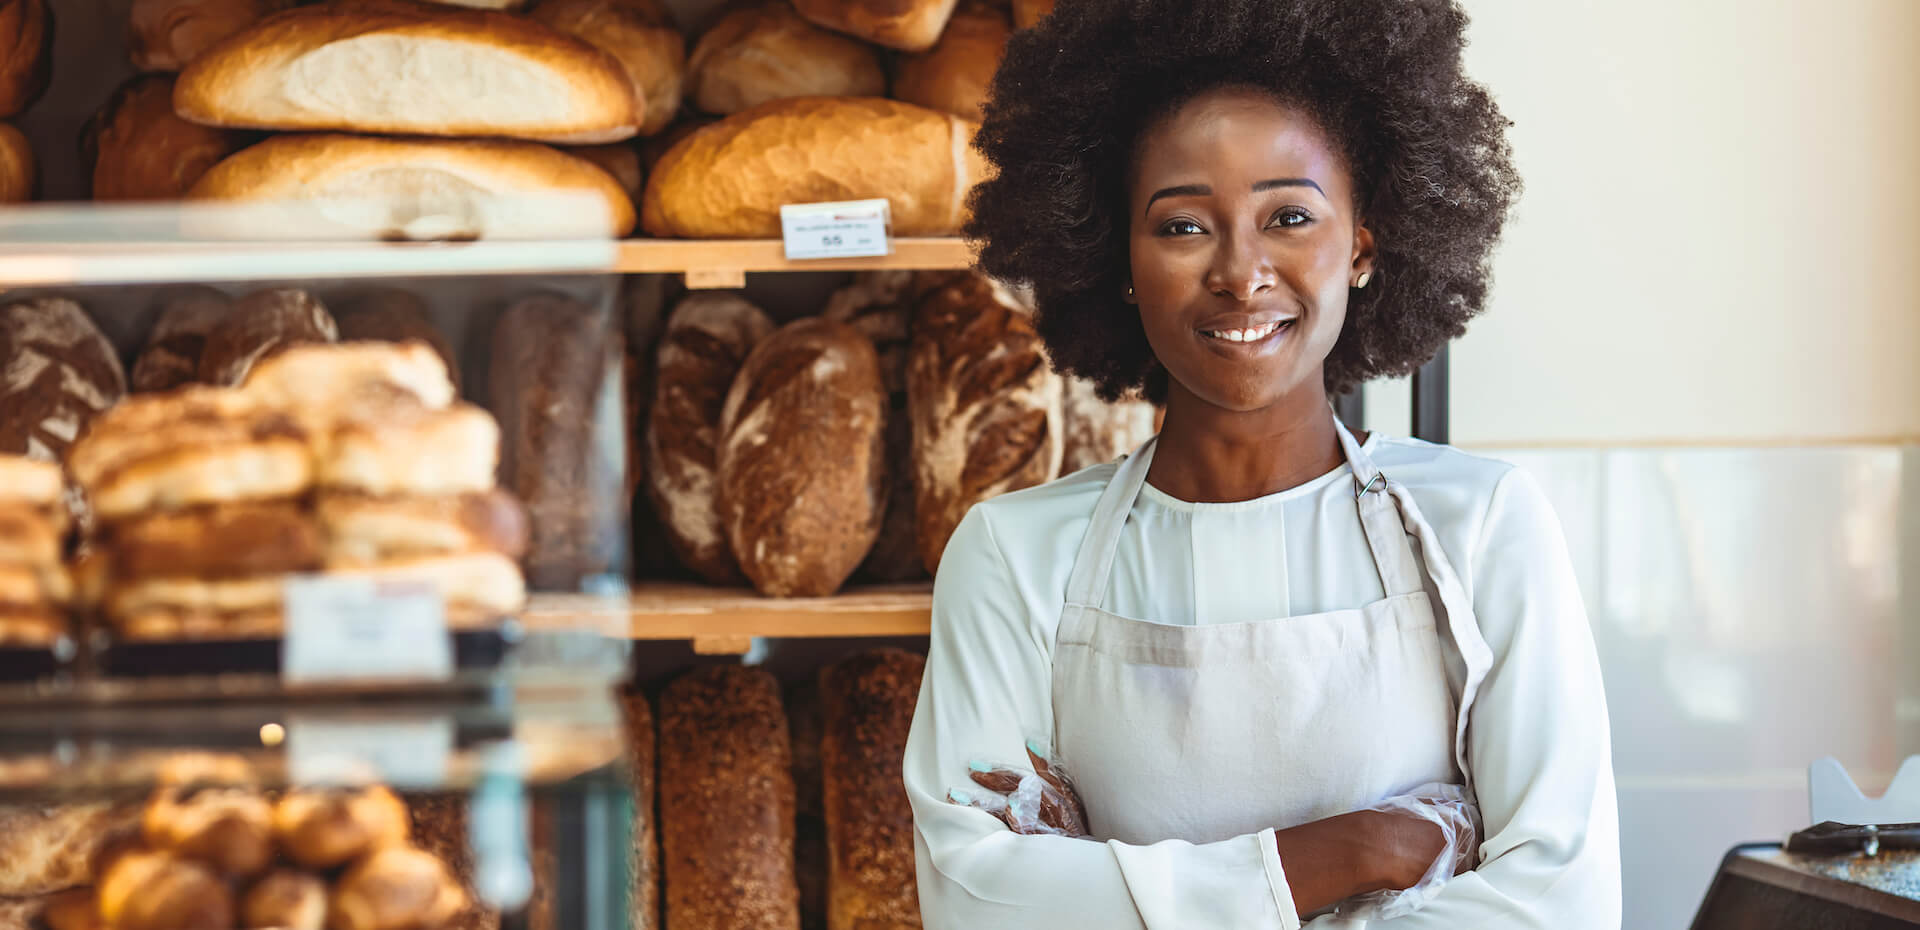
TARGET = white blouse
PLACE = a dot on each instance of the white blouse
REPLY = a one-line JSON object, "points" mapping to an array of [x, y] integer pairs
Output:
{"points": [[1540, 752]]}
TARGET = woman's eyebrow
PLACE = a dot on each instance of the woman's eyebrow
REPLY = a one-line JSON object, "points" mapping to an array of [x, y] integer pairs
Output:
{"points": [[1202, 190], [1272, 183]]}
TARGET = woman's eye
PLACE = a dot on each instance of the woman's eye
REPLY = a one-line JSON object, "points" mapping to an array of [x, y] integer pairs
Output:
{"points": [[1180, 228], [1291, 218]]}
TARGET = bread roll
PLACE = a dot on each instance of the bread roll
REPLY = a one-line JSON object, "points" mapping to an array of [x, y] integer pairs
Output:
{"points": [[26, 60], [728, 180], [228, 829], [642, 37], [159, 891], [285, 900], [766, 51], [17, 169], [45, 849], [985, 404], [165, 35], [707, 339], [1029, 12], [552, 359], [415, 189], [955, 75], [908, 25], [324, 829], [645, 901], [621, 161], [56, 373], [140, 150], [868, 707], [179, 337], [1098, 431], [384, 66], [803, 469], [261, 325], [727, 802], [395, 888]]}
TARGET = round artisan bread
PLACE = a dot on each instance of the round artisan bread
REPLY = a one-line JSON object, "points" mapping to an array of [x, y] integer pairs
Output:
{"points": [[17, 167], [867, 706], [803, 468], [325, 829], [286, 899], [59, 373], [139, 149], [261, 325], [955, 75], [642, 37], [167, 35], [395, 888], [26, 47], [907, 25], [766, 51], [178, 339], [230, 830]]}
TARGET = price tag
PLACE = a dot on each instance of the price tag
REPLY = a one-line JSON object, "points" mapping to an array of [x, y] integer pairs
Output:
{"points": [[396, 749], [849, 229], [356, 629]]}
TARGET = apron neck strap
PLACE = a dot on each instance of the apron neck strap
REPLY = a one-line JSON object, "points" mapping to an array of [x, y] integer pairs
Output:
{"points": [[1095, 561]]}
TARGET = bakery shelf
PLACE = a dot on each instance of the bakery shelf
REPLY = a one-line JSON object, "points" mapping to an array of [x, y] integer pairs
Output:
{"points": [[725, 263], [720, 621]]}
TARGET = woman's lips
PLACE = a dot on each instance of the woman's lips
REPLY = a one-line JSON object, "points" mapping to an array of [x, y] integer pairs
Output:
{"points": [[1249, 335]]}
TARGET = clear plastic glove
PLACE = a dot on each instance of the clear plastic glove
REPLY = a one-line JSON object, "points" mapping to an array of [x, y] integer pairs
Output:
{"points": [[1458, 818], [1035, 801]]}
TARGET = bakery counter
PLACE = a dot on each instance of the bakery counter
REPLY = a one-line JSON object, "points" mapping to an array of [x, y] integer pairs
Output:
{"points": [[723, 621]]}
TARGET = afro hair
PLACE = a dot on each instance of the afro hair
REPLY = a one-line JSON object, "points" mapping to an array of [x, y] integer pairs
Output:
{"points": [[1432, 169]]}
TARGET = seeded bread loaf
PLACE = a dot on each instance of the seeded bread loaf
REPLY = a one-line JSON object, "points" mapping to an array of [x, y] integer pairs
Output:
{"points": [[766, 51], [955, 75], [867, 703], [908, 25]]}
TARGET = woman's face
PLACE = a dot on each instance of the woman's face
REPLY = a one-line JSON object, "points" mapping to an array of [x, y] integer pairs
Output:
{"points": [[1244, 244]]}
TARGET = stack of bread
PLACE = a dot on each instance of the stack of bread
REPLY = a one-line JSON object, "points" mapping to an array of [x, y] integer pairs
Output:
{"points": [[793, 456], [352, 460], [34, 588]]}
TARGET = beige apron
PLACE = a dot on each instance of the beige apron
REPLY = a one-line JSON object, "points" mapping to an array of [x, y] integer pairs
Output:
{"points": [[1202, 733]]}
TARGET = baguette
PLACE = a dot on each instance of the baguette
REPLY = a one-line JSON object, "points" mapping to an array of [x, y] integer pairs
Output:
{"points": [[642, 37], [766, 51], [907, 25], [728, 180], [387, 66]]}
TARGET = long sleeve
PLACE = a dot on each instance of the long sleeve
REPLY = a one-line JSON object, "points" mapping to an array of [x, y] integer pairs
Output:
{"points": [[988, 688], [1539, 744]]}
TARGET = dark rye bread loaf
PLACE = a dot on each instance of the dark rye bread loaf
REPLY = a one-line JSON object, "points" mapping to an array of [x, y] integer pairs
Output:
{"points": [[644, 901], [727, 802], [551, 359], [803, 468], [179, 337], [707, 339], [389, 314], [867, 703], [261, 325], [985, 406], [1097, 430], [880, 304], [56, 372]]}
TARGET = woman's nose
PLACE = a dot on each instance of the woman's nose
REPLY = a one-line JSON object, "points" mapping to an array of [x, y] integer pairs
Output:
{"points": [[1241, 270]]}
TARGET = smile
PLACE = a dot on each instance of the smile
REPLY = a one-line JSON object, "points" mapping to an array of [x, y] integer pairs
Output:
{"points": [[1251, 334]]}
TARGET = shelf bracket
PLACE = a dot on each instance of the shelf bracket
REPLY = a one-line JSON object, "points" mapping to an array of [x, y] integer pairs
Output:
{"points": [[722, 645], [709, 279]]}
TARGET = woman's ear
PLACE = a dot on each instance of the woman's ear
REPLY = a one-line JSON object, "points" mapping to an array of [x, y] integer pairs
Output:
{"points": [[1362, 253]]}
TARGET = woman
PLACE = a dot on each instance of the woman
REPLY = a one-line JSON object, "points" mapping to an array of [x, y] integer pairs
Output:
{"points": [[1275, 657]]}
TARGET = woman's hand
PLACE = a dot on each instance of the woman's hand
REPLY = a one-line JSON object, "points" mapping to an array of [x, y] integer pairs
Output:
{"points": [[1418, 842], [1036, 801]]}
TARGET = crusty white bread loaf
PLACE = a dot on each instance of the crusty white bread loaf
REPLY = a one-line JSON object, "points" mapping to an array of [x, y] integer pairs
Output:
{"points": [[641, 35], [17, 167], [726, 802], [985, 405], [391, 66], [766, 51], [1029, 12], [260, 326], [164, 35], [803, 468], [880, 305], [45, 849], [867, 703], [955, 75], [26, 46], [653, 148], [178, 338], [1098, 431], [621, 161], [644, 903], [728, 180], [419, 189], [908, 25], [140, 149], [707, 339], [57, 371]]}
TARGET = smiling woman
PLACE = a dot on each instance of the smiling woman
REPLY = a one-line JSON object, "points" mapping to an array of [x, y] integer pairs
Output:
{"points": [[1294, 673]]}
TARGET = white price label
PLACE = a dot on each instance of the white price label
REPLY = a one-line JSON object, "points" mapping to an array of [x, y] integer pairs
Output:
{"points": [[356, 629], [850, 229], [396, 749]]}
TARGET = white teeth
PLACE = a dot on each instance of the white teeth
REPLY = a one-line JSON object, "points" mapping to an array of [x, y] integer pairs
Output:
{"points": [[1245, 335]]}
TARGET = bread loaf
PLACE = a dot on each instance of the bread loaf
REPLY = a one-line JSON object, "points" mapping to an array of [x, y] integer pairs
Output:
{"points": [[179, 337], [726, 802], [802, 699], [361, 186], [386, 66], [43, 850], [229, 830], [766, 51], [286, 900], [803, 469], [728, 180], [140, 150], [395, 888], [59, 371], [707, 339], [26, 44], [642, 37], [1029, 12], [985, 404], [17, 168], [189, 447], [1098, 431], [645, 901], [551, 359], [621, 161], [880, 304], [165, 35], [908, 25], [323, 829], [389, 314], [261, 325], [868, 705], [955, 75], [158, 891]]}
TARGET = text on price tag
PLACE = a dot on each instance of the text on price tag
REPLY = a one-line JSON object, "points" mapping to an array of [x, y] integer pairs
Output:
{"points": [[356, 629], [849, 229]]}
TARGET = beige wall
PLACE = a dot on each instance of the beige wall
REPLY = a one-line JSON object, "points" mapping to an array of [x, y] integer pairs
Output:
{"points": [[1720, 239]]}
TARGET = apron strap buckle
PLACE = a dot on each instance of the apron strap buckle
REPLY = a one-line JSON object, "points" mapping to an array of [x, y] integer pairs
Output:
{"points": [[1379, 480]]}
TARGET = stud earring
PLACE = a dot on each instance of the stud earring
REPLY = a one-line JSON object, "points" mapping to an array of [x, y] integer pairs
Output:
{"points": [[1361, 281], [1129, 290]]}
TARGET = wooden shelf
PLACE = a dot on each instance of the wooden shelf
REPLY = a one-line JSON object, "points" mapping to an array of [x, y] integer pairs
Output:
{"points": [[711, 263], [725, 620]]}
